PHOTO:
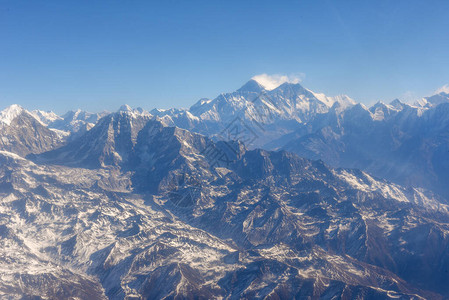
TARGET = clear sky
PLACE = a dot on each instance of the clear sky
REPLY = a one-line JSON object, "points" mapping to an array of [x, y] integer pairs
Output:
{"points": [[95, 55]]}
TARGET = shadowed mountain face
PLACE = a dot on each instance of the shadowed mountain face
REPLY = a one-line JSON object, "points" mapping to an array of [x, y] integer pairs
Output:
{"points": [[408, 145], [74, 122], [183, 216], [135, 207], [109, 143], [21, 133], [403, 143], [252, 113]]}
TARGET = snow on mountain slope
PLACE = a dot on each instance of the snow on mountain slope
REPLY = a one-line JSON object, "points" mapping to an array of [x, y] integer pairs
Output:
{"points": [[254, 113], [427, 102], [22, 133], [264, 223], [135, 207], [403, 143], [287, 101], [10, 113], [108, 143], [80, 229], [46, 117], [343, 100], [76, 122]]}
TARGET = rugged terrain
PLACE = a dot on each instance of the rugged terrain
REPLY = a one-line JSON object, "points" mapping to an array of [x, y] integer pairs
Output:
{"points": [[172, 220], [182, 204]]}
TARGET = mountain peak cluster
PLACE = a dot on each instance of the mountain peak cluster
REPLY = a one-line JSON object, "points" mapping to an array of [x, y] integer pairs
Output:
{"points": [[264, 192]]}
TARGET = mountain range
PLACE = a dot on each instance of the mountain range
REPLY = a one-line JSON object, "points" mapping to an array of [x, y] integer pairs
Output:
{"points": [[260, 193]]}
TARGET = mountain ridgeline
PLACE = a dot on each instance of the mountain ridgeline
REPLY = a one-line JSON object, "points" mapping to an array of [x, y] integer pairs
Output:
{"points": [[266, 194]]}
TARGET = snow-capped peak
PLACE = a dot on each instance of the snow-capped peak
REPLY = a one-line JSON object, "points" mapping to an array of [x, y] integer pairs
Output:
{"points": [[10, 113], [444, 89], [270, 82], [252, 86], [434, 100], [45, 117], [397, 104], [343, 100], [125, 107]]}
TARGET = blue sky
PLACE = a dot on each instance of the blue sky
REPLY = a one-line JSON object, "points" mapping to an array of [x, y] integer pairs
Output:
{"points": [[95, 55]]}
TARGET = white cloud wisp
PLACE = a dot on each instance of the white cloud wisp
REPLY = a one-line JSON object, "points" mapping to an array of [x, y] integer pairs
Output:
{"points": [[270, 82]]}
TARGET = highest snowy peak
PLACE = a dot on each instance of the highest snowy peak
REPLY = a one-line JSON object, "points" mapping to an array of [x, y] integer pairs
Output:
{"points": [[125, 107], [252, 86], [271, 82], [278, 103], [292, 100]]}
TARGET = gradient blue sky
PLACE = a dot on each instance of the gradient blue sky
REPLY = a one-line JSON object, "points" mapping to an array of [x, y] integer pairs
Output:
{"points": [[95, 55]]}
